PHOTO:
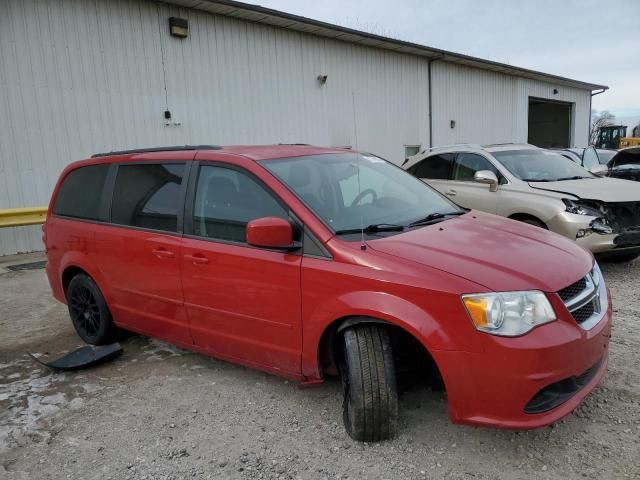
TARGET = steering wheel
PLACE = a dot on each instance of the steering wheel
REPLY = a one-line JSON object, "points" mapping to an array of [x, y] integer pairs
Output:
{"points": [[328, 199], [364, 193]]}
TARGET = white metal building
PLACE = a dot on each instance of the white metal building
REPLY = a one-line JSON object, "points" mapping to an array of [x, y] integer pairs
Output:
{"points": [[83, 76]]}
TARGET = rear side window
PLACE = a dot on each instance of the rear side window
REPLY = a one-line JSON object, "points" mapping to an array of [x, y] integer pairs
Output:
{"points": [[226, 200], [148, 196], [80, 192], [436, 167]]}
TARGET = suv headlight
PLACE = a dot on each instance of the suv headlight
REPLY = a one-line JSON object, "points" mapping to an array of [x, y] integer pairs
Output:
{"points": [[581, 208], [508, 314]]}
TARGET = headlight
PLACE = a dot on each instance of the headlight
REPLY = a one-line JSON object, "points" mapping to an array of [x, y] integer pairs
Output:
{"points": [[581, 208], [596, 275], [508, 314]]}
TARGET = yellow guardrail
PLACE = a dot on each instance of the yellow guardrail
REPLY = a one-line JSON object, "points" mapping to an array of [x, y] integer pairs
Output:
{"points": [[17, 217]]}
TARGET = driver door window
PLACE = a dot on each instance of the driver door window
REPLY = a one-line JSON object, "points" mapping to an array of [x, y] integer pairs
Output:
{"points": [[464, 190], [468, 164], [226, 200]]}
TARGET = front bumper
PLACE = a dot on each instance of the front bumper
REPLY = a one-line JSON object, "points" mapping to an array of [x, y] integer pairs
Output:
{"points": [[495, 386], [570, 225]]}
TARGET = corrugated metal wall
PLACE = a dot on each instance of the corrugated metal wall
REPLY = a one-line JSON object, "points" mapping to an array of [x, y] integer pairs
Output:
{"points": [[83, 76], [79, 77], [492, 108]]}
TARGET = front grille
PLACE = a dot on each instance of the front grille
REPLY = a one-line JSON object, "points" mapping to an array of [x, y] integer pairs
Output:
{"points": [[584, 301], [573, 290], [584, 313]]}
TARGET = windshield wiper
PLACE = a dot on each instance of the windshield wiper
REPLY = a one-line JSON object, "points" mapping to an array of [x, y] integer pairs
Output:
{"points": [[575, 177], [373, 228], [433, 217]]}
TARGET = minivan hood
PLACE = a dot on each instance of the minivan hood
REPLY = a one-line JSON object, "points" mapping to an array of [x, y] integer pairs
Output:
{"points": [[500, 254], [604, 189]]}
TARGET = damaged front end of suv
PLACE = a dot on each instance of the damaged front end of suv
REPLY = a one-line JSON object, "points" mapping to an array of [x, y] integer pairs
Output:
{"points": [[613, 222]]}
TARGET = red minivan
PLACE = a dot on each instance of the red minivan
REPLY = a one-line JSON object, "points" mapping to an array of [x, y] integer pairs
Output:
{"points": [[307, 262]]}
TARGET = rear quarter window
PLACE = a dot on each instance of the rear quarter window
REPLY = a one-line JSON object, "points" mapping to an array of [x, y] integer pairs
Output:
{"points": [[80, 193]]}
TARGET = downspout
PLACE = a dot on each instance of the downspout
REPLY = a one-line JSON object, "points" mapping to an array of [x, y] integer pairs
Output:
{"points": [[429, 62], [590, 110]]}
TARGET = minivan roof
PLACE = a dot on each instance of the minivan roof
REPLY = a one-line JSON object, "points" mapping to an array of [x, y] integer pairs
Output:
{"points": [[157, 149], [252, 152]]}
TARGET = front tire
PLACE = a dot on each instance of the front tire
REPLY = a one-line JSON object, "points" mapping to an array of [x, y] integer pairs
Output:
{"points": [[370, 409], [627, 257], [534, 222], [88, 311]]}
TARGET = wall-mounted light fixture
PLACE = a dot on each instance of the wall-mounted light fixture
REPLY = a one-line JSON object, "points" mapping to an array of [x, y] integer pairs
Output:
{"points": [[322, 79], [555, 91], [452, 124], [179, 27]]}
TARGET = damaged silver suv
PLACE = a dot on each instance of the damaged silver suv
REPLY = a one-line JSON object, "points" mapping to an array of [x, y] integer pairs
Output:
{"points": [[539, 187]]}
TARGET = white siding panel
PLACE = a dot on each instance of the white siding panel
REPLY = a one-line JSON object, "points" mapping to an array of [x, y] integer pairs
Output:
{"points": [[490, 107], [84, 76], [76, 77]]}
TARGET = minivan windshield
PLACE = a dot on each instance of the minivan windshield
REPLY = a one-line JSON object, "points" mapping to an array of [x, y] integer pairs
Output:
{"points": [[537, 165], [351, 191]]}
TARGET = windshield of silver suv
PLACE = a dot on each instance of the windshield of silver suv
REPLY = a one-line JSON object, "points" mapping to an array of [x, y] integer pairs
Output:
{"points": [[540, 166], [353, 191]]}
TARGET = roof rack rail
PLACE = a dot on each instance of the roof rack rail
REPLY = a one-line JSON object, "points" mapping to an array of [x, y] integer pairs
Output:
{"points": [[158, 149], [442, 147], [504, 144]]}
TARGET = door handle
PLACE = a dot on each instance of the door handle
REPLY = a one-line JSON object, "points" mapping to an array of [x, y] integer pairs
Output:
{"points": [[451, 193], [162, 253], [197, 259]]}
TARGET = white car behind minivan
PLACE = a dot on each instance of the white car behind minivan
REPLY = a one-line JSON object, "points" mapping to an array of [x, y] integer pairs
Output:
{"points": [[539, 187]]}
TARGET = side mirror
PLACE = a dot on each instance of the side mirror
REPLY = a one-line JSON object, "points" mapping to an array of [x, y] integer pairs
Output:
{"points": [[600, 170], [271, 232], [487, 177]]}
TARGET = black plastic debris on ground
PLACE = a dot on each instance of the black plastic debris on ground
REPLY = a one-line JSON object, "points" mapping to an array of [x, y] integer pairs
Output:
{"points": [[27, 266], [83, 357]]}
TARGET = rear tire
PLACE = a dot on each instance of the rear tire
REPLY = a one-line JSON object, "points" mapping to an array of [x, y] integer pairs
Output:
{"points": [[89, 312], [370, 409]]}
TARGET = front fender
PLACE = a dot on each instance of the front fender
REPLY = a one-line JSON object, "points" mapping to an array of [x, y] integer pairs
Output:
{"points": [[383, 306], [536, 203]]}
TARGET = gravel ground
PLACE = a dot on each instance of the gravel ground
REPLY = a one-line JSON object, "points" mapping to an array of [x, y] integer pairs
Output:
{"points": [[159, 412]]}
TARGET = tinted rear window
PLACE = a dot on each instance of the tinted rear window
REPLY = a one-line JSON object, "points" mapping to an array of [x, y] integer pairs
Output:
{"points": [[80, 192], [148, 196]]}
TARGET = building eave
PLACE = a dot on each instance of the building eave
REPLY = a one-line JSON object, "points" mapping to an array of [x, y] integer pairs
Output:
{"points": [[277, 18]]}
